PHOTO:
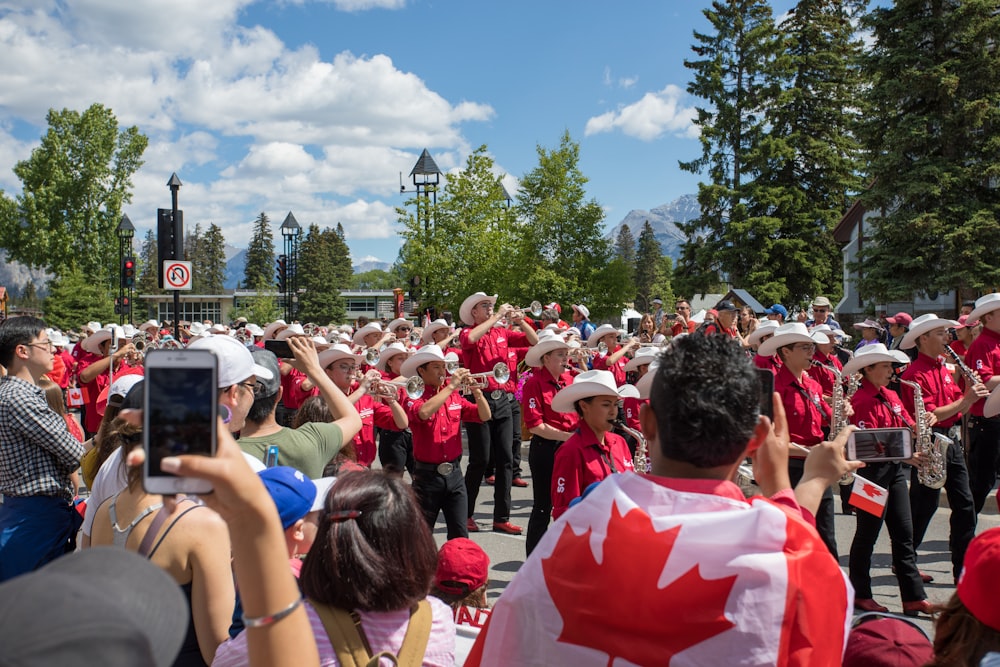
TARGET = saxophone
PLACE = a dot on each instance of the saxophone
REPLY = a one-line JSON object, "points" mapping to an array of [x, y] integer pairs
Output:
{"points": [[932, 446], [640, 460], [839, 420]]}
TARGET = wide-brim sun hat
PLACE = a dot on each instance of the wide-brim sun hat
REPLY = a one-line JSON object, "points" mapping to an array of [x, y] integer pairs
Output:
{"points": [[547, 342], [294, 329], [585, 385], [643, 356], [272, 329], [93, 342], [388, 353], [427, 336], [645, 384], [985, 304], [465, 312], [335, 353], [868, 324], [763, 328], [789, 333], [424, 355], [582, 309], [371, 327], [922, 325], [873, 354], [599, 333]]}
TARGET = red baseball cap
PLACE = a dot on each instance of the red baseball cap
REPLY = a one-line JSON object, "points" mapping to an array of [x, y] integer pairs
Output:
{"points": [[901, 319], [463, 566], [979, 586], [889, 642]]}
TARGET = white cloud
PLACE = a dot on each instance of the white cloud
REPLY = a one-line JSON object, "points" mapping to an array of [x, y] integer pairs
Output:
{"points": [[652, 116], [628, 81]]}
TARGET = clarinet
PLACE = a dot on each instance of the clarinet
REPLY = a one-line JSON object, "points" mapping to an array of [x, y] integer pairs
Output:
{"points": [[971, 376]]}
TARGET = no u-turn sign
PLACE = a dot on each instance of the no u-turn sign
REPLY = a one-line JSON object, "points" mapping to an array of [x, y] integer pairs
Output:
{"points": [[176, 274]]}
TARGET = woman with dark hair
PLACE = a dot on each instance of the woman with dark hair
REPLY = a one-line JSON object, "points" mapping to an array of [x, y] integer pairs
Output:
{"points": [[374, 557]]}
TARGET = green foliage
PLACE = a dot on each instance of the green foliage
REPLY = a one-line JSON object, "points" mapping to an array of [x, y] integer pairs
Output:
{"points": [[647, 269], [74, 299], [74, 186], [326, 256], [212, 268], [146, 271], [375, 279], [259, 309], [193, 253], [260, 266]]}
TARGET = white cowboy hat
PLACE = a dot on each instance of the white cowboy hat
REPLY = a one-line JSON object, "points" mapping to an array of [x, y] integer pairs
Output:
{"points": [[294, 329], [992, 406], [92, 327], [390, 352], [197, 329], [599, 333], [873, 354], [922, 325], [92, 343], [271, 330], [789, 334], [150, 324], [219, 329], [465, 312], [424, 355], [644, 355], [984, 304], [764, 328], [628, 391], [585, 385], [829, 332], [57, 338], [334, 353], [582, 309], [129, 330], [427, 337], [320, 342], [547, 342], [254, 330], [371, 327], [868, 324], [398, 322], [645, 383]]}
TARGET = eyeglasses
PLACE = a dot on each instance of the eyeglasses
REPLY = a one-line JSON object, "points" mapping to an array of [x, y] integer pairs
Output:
{"points": [[343, 368], [805, 347], [44, 344], [255, 387], [402, 328]]}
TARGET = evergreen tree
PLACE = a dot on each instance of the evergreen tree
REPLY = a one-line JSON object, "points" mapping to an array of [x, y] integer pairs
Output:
{"points": [[321, 262], [341, 258], [932, 133], [260, 266], [213, 260], [74, 299], [147, 270], [647, 268], [193, 241], [29, 296], [625, 245]]}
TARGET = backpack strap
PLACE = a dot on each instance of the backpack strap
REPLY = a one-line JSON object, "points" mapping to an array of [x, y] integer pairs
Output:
{"points": [[418, 633], [351, 645]]}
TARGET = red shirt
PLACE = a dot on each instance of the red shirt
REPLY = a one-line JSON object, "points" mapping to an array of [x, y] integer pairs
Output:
{"points": [[536, 400], [823, 374], [677, 328], [488, 351], [372, 414], [805, 408], [514, 356], [937, 386], [772, 363], [581, 461], [958, 347], [878, 407], [631, 407], [618, 369], [439, 438], [984, 358], [293, 395]]}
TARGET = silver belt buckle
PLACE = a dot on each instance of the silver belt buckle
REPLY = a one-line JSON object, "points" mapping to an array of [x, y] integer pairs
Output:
{"points": [[444, 469], [496, 395], [955, 433]]}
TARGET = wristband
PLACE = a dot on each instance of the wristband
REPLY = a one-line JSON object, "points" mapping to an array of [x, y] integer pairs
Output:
{"points": [[261, 621]]}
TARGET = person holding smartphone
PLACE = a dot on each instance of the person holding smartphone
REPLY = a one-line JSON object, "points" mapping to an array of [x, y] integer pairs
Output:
{"points": [[877, 406]]}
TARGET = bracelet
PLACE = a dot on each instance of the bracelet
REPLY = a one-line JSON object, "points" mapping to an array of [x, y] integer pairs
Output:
{"points": [[261, 621]]}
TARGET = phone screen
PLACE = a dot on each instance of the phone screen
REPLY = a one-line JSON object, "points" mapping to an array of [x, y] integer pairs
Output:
{"points": [[181, 416], [880, 445], [766, 391]]}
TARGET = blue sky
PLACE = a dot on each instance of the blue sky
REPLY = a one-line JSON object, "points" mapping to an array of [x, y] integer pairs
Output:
{"points": [[315, 106]]}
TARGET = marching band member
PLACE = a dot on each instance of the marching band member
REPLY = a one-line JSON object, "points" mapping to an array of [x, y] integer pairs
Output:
{"points": [[877, 406], [764, 331], [274, 328], [805, 409], [549, 429], [825, 359], [639, 364], [401, 329], [483, 346], [435, 419], [593, 451], [614, 358], [966, 331], [92, 371], [984, 432], [395, 447]]}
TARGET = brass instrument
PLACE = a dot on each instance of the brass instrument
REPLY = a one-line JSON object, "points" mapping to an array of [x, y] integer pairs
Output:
{"points": [[142, 341], [310, 329], [451, 363], [372, 356], [170, 344], [500, 373], [414, 337], [933, 447], [535, 308], [414, 386], [244, 336], [640, 460]]}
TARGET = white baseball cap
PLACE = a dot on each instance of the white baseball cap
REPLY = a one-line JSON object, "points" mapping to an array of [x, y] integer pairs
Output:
{"points": [[236, 363]]}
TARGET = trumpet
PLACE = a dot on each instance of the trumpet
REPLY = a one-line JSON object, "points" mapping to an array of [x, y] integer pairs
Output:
{"points": [[535, 309], [500, 373], [372, 356], [451, 363], [415, 337], [142, 341], [414, 386]]}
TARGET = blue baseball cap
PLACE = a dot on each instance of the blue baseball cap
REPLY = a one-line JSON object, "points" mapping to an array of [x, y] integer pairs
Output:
{"points": [[292, 492], [777, 309]]}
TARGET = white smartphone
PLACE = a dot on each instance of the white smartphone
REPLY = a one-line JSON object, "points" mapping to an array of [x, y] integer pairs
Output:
{"points": [[180, 410], [880, 444]]}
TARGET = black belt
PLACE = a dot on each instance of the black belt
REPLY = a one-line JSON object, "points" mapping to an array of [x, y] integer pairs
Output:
{"points": [[443, 469]]}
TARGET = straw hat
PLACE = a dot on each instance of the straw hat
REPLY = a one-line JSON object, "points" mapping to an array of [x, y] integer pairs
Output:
{"points": [[585, 385], [547, 342], [985, 304], [922, 325], [789, 334], [465, 312], [873, 354], [424, 355]]}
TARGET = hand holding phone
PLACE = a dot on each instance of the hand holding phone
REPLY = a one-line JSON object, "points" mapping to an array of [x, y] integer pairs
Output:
{"points": [[878, 445], [766, 392]]}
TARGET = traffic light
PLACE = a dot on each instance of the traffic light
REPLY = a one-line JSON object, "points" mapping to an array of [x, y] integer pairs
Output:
{"points": [[118, 306], [128, 272], [282, 273]]}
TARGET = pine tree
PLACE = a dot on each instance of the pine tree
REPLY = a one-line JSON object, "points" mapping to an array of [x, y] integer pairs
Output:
{"points": [[260, 254], [193, 241], [213, 260], [147, 270], [933, 136], [647, 268], [320, 277], [625, 245]]}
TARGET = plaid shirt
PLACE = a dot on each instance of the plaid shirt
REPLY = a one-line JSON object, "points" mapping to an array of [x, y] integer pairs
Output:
{"points": [[37, 451]]}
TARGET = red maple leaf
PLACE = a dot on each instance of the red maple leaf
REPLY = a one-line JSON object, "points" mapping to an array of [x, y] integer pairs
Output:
{"points": [[616, 606], [870, 490]]}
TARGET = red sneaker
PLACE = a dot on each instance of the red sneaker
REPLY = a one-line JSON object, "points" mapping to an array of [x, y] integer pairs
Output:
{"points": [[517, 481], [868, 604], [506, 527], [918, 607], [491, 480], [471, 525]]}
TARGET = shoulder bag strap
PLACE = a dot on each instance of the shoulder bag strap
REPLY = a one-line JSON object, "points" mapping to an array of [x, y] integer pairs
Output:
{"points": [[418, 633], [344, 632]]}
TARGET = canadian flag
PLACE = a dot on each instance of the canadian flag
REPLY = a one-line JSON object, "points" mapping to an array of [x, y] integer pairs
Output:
{"points": [[868, 496], [642, 574]]}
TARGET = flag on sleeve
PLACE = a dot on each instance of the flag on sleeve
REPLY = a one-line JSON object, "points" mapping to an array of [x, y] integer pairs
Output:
{"points": [[642, 574], [868, 496]]}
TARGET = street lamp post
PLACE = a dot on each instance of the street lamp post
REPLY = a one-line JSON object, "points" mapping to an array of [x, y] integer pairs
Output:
{"points": [[290, 232], [426, 177], [126, 232]]}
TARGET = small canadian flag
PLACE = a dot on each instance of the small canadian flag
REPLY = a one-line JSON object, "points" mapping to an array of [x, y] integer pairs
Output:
{"points": [[868, 496]]}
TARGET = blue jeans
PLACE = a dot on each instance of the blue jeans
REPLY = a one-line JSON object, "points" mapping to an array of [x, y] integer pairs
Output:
{"points": [[34, 531]]}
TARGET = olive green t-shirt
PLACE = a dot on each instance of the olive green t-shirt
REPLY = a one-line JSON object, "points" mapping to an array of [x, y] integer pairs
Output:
{"points": [[308, 448]]}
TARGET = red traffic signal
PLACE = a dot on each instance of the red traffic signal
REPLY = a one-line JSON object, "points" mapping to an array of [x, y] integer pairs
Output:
{"points": [[128, 272]]}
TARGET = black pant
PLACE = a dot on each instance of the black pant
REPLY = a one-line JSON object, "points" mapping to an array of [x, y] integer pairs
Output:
{"points": [[984, 457], [541, 458], [515, 414], [924, 502], [442, 493], [897, 520], [824, 515], [496, 434], [395, 450]]}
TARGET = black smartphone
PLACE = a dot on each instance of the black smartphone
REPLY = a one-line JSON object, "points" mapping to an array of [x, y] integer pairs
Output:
{"points": [[880, 444], [766, 378], [180, 412], [281, 348]]}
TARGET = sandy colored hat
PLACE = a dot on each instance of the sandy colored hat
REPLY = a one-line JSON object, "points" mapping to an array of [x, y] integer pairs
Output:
{"points": [[599, 333], [427, 337], [152, 326], [424, 355], [398, 322], [547, 342], [645, 384], [371, 327], [92, 343], [869, 323], [789, 333], [922, 325], [992, 406], [985, 304], [272, 329], [336, 353], [390, 352], [764, 327], [294, 329], [465, 312], [585, 385], [822, 302], [643, 356], [873, 354]]}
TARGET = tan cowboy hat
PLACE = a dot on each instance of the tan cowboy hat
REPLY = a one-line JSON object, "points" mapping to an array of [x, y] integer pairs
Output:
{"points": [[585, 385], [93, 342], [398, 322], [465, 312], [335, 353], [150, 325], [922, 325], [371, 327], [294, 329], [788, 334], [427, 337], [547, 342], [271, 330], [390, 352], [424, 355], [873, 354], [985, 304]]}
